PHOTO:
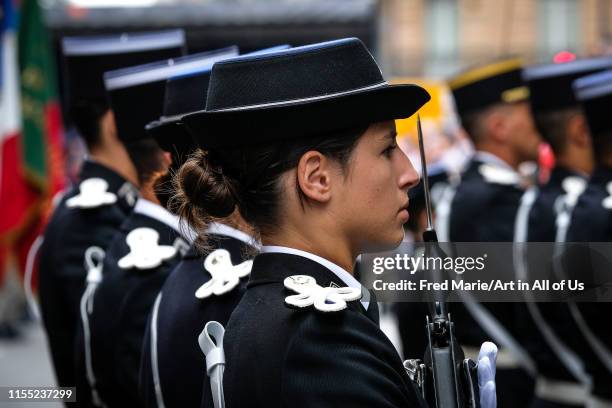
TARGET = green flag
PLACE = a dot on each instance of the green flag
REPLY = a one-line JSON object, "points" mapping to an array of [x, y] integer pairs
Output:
{"points": [[41, 119]]}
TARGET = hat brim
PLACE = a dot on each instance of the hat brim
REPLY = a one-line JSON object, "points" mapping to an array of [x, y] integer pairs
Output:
{"points": [[293, 120], [172, 136]]}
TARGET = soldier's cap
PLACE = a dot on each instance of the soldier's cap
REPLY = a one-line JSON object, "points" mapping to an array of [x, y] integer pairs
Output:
{"points": [[184, 94], [550, 85], [85, 59], [487, 85], [594, 92], [136, 94], [298, 93]]}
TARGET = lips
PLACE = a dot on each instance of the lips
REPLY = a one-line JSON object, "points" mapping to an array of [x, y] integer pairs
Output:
{"points": [[403, 213]]}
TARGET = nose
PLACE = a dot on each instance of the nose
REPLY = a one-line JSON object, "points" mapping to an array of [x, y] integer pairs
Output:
{"points": [[408, 176]]}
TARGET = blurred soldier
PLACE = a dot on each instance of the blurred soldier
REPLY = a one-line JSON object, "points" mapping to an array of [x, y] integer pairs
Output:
{"points": [[562, 381], [195, 292], [591, 221], [89, 214], [148, 244], [562, 125], [492, 103]]}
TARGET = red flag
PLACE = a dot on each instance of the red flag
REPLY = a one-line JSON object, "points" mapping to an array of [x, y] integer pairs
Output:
{"points": [[30, 132]]}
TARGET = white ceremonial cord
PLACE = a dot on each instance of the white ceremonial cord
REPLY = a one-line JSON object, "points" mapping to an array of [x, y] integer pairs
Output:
{"points": [[27, 277], [159, 397], [211, 344], [94, 275], [570, 360], [564, 221]]}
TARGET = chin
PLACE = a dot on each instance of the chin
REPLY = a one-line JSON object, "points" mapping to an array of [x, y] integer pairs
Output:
{"points": [[388, 242]]}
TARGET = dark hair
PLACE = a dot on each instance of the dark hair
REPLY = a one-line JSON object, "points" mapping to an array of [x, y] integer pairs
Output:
{"points": [[86, 116], [602, 147], [147, 157], [164, 185], [472, 123], [553, 127], [212, 184]]}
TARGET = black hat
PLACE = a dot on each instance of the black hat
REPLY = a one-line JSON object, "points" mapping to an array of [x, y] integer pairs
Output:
{"points": [[298, 92], [487, 85], [136, 94], [550, 85], [594, 92], [87, 58], [185, 94]]}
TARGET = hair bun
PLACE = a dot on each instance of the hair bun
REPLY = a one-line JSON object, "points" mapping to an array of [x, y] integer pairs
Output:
{"points": [[203, 191]]}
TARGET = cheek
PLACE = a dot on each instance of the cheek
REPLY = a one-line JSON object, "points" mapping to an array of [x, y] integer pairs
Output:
{"points": [[375, 190]]}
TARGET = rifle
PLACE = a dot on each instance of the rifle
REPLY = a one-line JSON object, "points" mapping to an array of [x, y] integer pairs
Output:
{"points": [[445, 377]]}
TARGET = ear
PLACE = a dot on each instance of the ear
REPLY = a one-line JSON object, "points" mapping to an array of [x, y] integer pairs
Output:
{"points": [[578, 131], [314, 176], [167, 157], [497, 126]]}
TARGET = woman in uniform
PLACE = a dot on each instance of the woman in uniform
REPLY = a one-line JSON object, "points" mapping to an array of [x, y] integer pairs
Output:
{"points": [[302, 143]]}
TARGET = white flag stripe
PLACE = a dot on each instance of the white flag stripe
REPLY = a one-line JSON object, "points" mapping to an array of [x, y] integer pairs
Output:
{"points": [[10, 109]]}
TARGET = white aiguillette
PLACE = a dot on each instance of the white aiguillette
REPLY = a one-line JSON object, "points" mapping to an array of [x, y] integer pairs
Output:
{"points": [[145, 251], [498, 175], [92, 193], [573, 187], [607, 202], [330, 299], [225, 276]]}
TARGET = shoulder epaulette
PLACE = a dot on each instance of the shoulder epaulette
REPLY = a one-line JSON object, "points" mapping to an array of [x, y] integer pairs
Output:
{"points": [[145, 251], [92, 193], [225, 276], [309, 293]]}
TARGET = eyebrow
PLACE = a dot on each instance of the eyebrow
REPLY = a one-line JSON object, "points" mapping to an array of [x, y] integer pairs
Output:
{"points": [[391, 135]]}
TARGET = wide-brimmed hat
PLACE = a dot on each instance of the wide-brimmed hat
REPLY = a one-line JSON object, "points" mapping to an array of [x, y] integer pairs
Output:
{"points": [[85, 59], [184, 94], [594, 92], [297, 93], [136, 94]]}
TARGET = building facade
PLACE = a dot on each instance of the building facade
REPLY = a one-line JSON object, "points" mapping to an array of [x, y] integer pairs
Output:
{"points": [[438, 37]]}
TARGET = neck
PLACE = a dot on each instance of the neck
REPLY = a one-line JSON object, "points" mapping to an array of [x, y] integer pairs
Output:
{"points": [[235, 220], [502, 152], [117, 159], [328, 247], [147, 191]]}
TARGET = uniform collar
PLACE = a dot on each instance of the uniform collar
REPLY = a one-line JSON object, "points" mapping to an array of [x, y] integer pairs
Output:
{"points": [[338, 271], [218, 228], [220, 232], [489, 158], [157, 212]]}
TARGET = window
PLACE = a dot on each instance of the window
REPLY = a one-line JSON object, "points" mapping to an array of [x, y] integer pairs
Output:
{"points": [[442, 34], [559, 27]]}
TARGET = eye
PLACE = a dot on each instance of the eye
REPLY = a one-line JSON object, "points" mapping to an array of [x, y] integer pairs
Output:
{"points": [[389, 150]]}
